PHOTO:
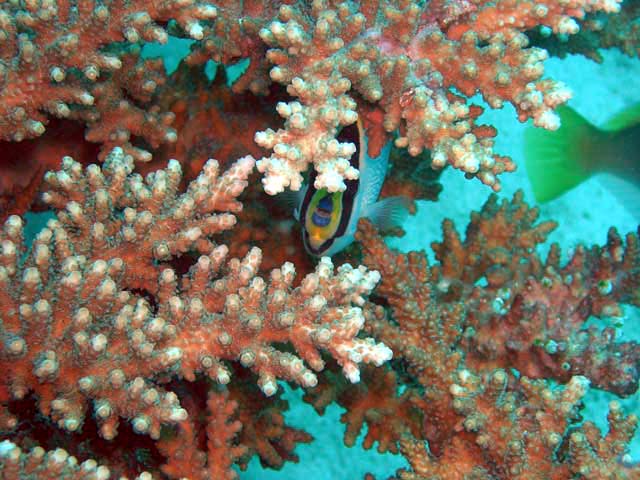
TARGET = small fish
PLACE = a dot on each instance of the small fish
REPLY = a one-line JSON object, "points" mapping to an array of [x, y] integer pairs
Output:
{"points": [[329, 220], [559, 160]]}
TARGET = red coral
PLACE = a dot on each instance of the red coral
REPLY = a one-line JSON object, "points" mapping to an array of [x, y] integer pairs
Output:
{"points": [[491, 302], [140, 302]]}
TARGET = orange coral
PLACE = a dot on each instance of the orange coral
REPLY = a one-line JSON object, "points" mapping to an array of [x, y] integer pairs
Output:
{"points": [[47, 44], [117, 329], [141, 302], [491, 302]]}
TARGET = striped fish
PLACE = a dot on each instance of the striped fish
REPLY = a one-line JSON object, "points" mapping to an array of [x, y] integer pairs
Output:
{"points": [[329, 220]]}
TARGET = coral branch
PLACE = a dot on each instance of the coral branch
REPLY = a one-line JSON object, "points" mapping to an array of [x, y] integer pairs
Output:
{"points": [[406, 57], [88, 309], [491, 303], [55, 61], [142, 335]]}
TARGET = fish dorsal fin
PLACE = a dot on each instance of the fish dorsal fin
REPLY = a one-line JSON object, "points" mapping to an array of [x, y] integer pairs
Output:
{"points": [[389, 212], [291, 200]]}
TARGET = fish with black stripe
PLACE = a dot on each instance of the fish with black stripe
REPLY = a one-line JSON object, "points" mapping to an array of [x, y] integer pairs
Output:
{"points": [[329, 219]]}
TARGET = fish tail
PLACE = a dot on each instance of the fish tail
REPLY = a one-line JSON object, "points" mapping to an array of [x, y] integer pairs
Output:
{"points": [[628, 117], [559, 160]]}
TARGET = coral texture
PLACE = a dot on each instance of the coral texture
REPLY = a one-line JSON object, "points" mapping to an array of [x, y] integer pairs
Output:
{"points": [[54, 63], [148, 323], [458, 338], [598, 30], [97, 306], [405, 56], [401, 57]]}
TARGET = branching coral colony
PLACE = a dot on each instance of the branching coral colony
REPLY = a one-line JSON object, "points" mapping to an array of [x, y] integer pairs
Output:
{"points": [[144, 329]]}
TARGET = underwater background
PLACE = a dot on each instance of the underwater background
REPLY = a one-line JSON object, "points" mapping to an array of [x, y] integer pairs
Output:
{"points": [[584, 215]]}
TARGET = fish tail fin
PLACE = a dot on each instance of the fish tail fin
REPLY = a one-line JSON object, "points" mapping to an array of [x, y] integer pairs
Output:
{"points": [[626, 118], [555, 160], [388, 212]]}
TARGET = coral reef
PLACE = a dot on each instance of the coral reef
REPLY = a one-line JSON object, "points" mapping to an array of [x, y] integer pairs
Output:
{"points": [[598, 30], [98, 284], [491, 304], [54, 63], [148, 324], [394, 62]]}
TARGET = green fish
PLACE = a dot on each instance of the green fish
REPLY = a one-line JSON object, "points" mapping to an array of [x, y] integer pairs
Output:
{"points": [[559, 160]]}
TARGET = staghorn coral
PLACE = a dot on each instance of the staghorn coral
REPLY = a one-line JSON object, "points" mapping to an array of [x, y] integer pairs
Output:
{"points": [[119, 319], [496, 425], [23, 165], [52, 63], [597, 31], [398, 64], [532, 314], [406, 57], [443, 387], [40, 464], [511, 308], [123, 321], [455, 327]]}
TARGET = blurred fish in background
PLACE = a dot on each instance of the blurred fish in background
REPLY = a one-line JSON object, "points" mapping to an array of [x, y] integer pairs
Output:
{"points": [[559, 160]]}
